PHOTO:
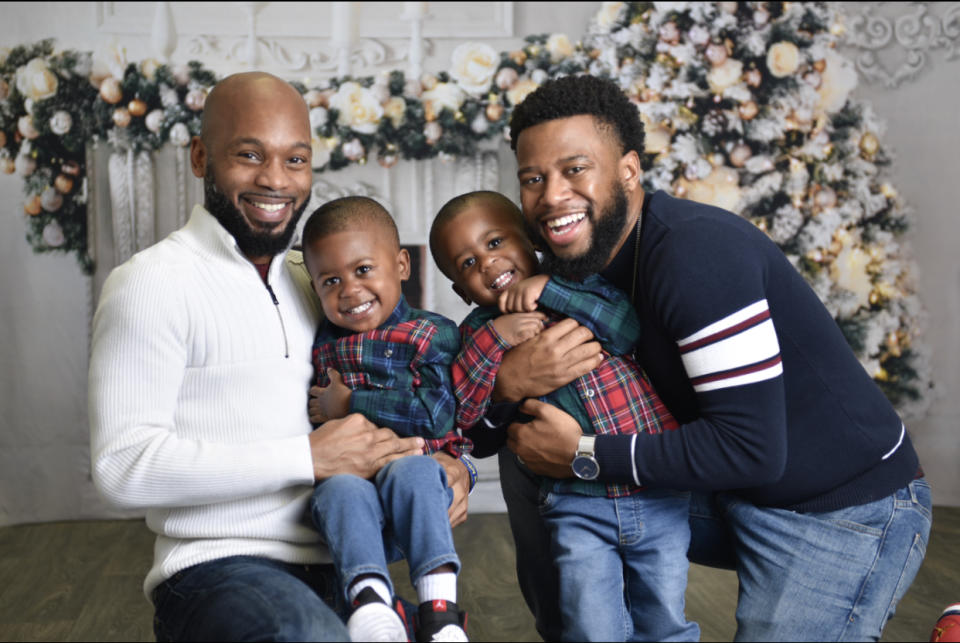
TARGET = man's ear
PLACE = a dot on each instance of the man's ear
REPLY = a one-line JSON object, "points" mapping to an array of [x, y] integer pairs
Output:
{"points": [[403, 263], [463, 295], [198, 157], [630, 171]]}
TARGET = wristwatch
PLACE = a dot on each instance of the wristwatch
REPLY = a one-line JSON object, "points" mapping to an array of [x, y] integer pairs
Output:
{"points": [[584, 464]]}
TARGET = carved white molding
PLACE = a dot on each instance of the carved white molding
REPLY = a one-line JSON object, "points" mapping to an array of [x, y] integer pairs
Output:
{"points": [[276, 53], [324, 191], [891, 49]]}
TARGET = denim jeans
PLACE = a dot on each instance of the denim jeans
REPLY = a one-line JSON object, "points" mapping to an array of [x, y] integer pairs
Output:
{"points": [[861, 558], [245, 598], [622, 564], [402, 513]]}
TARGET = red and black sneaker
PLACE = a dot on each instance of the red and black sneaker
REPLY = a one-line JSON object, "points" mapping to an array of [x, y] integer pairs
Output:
{"points": [[948, 626], [441, 621]]}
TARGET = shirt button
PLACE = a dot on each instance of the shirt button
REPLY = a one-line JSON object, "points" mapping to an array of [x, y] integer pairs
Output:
{"points": [[388, 352], [590, 392]]}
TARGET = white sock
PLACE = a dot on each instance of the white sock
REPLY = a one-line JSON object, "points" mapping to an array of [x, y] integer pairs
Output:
{"points": [[374, 582], [441, 586]]}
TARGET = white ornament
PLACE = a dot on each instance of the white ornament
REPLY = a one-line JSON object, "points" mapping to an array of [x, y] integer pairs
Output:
{"points": [[50, 199], [25, 165], [61, 122], [154, 120], [53, 235], [180, 135], [318, 117]]}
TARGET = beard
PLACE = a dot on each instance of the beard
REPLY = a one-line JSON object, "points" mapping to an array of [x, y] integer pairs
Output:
{"points": [[252, 243], [606, 233]]}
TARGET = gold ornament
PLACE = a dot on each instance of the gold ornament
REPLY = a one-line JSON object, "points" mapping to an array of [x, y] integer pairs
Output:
{"points": [[753, 77], [63, 184], [429, 112], [494, 111], [33, 206], [888, 191], [820, 65], [869, 145], [137, 107], [110, 90], [882, 375]]}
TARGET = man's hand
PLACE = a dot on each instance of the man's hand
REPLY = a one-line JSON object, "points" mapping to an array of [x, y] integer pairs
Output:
{"points": [[459, 480], [516, 328], [548, 442], [355, 445], [542, 364], [522, 297], [329, 402]]}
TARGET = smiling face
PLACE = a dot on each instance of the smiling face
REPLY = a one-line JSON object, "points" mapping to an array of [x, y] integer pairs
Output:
{"points": [[484, 251], [254, 156], [580, 195], [357, 275]]}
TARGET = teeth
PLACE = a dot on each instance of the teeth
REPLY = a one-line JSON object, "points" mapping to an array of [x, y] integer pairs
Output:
{"points": [[362, 308], [567, 220], [501, 280], [269, 207]]}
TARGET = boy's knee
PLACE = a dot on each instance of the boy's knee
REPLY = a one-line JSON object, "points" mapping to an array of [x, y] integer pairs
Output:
{"points": [[421, 468]]}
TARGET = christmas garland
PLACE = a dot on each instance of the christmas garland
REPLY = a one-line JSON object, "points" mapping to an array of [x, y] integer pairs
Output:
{"points": [[746, 106]]}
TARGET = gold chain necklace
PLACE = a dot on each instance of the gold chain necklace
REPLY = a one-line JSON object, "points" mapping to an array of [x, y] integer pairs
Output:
{"points": [[636, 259]]}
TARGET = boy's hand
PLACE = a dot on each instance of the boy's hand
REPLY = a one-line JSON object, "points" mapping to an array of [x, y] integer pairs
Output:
{"points": [[329, 402], [515, 328], [522, 297]]}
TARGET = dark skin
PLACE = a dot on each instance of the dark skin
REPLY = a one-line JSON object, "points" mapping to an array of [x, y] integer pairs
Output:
{"points": [[256, 140], [566, 167]]}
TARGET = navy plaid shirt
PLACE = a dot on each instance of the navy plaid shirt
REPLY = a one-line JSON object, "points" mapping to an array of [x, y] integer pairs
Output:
{"points": [[399, 373]]}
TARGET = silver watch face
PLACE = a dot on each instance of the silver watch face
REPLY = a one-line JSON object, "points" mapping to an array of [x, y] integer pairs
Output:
{"points": [[585, 467]]}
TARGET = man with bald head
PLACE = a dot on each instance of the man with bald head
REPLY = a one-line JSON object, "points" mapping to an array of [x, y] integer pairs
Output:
{"points": [[199, 374]]}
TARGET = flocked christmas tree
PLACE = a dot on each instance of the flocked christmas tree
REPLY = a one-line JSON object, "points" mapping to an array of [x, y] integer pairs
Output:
{"points": [[746, 106]]}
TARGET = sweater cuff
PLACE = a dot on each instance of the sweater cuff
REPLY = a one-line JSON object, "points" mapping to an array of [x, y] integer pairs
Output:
{"points": [[614, 454]]}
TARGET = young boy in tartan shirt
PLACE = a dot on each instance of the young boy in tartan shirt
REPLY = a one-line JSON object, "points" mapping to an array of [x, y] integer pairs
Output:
{"points": [[375, 355], [620, 550]]}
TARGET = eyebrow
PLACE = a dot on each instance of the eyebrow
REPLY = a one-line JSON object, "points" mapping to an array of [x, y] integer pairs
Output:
{"points": [[250, 140], [566, 159]]}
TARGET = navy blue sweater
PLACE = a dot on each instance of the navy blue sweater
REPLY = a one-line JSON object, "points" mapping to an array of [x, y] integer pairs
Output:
{"points": [[773, 404]]}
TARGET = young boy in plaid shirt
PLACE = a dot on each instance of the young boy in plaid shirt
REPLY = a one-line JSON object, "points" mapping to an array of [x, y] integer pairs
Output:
{"points": [[376, 355], [620, 550]]}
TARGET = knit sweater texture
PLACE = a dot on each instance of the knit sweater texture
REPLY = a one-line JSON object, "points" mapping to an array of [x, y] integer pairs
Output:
{"points": [[198, 384], [773, 405]]}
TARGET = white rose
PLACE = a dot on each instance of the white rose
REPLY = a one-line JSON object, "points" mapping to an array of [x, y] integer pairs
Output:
{"points": [[359, 109], [608, 14], [783, 58], [444, 95], [395, 109], [318, 117], [725, 75], [559, 47], [474, 65], [53, 235], [837, 81], [520, 90], [61, 122], [36, 81], [321, 153], [180, 135]]}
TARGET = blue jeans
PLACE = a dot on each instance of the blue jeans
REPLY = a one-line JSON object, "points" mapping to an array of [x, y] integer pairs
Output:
{"points": [[824, 576], [401, 514], [783, 559], [245, 598], [622, 565]]}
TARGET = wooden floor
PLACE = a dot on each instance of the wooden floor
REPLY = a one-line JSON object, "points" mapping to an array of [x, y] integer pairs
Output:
{"points": [[80, 581]]}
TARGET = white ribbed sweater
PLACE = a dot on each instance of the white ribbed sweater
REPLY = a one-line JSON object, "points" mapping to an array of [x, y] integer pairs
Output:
{"points": [[198, 400]]}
